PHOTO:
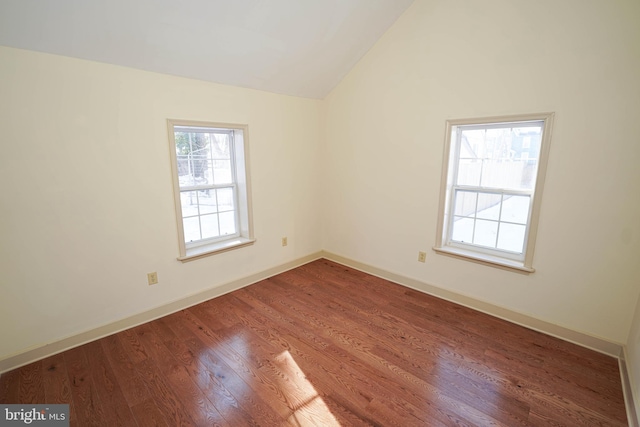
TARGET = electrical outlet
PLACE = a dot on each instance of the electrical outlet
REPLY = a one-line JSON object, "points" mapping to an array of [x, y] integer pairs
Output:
{"points": [[284, 241], [152, 278], [422, 256]]}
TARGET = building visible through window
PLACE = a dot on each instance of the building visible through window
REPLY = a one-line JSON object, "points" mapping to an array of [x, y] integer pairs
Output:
{"points": [[494, 174]]}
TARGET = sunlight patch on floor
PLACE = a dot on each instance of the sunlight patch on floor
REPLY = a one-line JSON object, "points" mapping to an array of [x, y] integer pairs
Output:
{"points": [[308, 407]]}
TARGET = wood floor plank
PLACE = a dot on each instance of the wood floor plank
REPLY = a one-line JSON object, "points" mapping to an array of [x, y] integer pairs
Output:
{"points": [[390, 332], [283, 320], [133, 388], [250, 374], [88, 408], [162, 394], [343, 415], [147, 414], [31, 384], [196, 404], [330, 376], [220, 397], [325, 344], [116, 409], [132, 346], [10, 387], [57, 388], [354, 343], [56, 380], [224, 376], [322, 360]]}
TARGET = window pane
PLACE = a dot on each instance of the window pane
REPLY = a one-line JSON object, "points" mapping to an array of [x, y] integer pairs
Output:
{"points": [[462, 229], [515, 209], [485, 233], [498, 143], [220, 146], [469, 172], [207, 201], [225, 199], [511, 237], [192, 151], [191, 227], [489, 206], [491, 177], [185, 177], [209, 160], [503, 157], [510, 174], [499, 174], [207, 174], [199, 167], [473, 143], [189, 203], [465, 203], [209, 225], [222, 172], [227, 223], [529, 172]]}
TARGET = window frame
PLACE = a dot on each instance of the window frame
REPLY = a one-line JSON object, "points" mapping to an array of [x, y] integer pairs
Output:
{"points": [[239, 161], [487, 256]]}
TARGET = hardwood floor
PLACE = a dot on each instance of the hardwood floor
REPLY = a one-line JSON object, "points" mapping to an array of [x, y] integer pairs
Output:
{"points": [[325, 345]]}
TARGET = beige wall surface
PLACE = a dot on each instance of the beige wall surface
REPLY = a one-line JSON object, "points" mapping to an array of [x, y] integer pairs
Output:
{"points": [[87, 204], [447, 59]]}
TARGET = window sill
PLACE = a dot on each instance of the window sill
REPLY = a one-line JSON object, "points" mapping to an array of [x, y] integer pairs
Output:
{"points": [[488, 260], [215, 248]]}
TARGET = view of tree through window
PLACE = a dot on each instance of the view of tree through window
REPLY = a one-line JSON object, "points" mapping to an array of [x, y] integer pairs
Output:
{"points": [[207, 187], [211, 186]]}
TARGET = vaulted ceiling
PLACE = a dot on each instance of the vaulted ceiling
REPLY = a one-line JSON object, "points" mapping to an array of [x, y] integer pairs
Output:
{"points": [[294, 47]]}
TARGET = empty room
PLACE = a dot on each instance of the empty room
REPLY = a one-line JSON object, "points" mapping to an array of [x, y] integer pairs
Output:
{"points": [[320, 212]]}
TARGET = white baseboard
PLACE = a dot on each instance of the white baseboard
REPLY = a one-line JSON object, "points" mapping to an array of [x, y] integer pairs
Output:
{"points": [[585, 340], [55, 347]]}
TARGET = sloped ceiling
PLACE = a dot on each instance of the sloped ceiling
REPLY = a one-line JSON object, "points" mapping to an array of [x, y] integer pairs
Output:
{"points": [[294, 47]]}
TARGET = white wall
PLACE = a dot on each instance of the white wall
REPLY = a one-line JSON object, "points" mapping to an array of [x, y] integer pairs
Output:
{"points": [[87, 205], [447, 59]]}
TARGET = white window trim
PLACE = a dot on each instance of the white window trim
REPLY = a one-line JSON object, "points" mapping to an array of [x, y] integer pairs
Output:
{"points": [[442, 247], [244, 236]]}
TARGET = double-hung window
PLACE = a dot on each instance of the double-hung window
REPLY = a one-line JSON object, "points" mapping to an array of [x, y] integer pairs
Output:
{"points": [[211, 186], [491, 189]]}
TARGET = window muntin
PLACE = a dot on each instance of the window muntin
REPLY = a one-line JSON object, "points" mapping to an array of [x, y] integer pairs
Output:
{"points": [[211, 186], [491, 187]]}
